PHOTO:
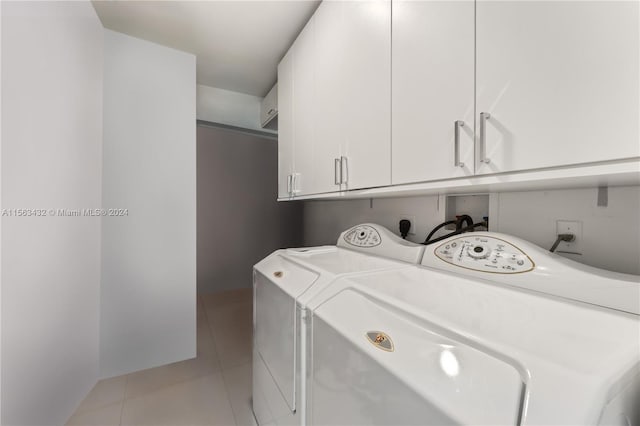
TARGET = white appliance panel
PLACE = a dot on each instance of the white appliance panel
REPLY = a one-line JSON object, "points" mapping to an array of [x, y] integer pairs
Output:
{"points": [[515, 262], [425, 377], [337, 261], [574, 356], [277, 282], [283, 283], [275, 335], [292, 278], [376, 240]]}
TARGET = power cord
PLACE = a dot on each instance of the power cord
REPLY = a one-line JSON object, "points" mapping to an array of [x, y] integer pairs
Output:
{"points": [[436, 229], [405, 226], [459, 222], [457, 232], [562, 237]]}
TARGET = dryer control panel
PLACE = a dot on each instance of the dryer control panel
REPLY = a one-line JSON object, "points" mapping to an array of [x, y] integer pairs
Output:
{"points": [[362, 236], [377, 240], [485, 254]]}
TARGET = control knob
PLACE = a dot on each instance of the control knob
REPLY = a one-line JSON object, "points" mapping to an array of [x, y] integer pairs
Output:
{"points": [[479, 251]]}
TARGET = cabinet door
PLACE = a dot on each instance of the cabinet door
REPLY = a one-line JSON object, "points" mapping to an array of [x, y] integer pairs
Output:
{"points": [[433, 87], [304, 111], [331, 62], [366, 88], [353, 94], [285, 129], [559, 80]]}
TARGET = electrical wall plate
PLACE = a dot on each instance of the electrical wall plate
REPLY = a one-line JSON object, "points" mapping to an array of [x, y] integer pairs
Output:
{"points": [[570, 227]]}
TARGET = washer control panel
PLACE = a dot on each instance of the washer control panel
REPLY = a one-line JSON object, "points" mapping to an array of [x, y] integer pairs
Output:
{"points": [[363, 236], [484, 253]]}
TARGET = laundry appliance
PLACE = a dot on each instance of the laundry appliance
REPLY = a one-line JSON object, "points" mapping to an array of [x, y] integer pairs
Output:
{"points": [[489, 329], [283, 283]]}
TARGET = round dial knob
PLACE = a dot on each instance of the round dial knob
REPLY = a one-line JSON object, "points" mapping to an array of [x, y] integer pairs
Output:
{"points": [[362, 235], [479, 251]]}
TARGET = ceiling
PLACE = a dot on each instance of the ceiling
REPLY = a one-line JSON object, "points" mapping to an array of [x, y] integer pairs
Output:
{"points": [[238, 44]]}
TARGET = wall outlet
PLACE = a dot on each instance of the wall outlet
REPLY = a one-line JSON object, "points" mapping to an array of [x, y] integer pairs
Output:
{"points": [[411, 218], [570, 227]]}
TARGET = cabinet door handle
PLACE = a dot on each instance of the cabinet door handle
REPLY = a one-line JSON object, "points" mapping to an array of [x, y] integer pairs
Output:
{"points": [[484, 116], [456, 143], [296, 183], [289, 179], [337, 172], [344, 170], [271, 111]]}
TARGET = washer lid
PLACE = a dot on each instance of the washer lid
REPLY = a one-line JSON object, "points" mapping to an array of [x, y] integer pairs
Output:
{"points": [[291, 277], [373, 364], [337, 261]]}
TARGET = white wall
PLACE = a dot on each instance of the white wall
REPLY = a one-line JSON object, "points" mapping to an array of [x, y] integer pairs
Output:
{"points": [[148, 296], [230, 108], [0, 209], [51, 159], [610, 235]]}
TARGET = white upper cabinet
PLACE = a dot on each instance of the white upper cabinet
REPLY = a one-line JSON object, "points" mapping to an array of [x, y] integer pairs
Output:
{"points": [[366, 93], [401, 92], [433, 90], [304, 110], [296, 111], [352, 146], [331, 61], [340, 104], [558, 81], [285, 126]]}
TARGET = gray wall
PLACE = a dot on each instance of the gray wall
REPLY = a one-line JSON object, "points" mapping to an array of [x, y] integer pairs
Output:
{"points": [[239, 219], [325, 220], [610, 235], [51, 159], [148, 292]]}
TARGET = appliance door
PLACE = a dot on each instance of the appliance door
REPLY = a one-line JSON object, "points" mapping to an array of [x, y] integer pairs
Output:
{"points": [[412, 375], [275, 326]]}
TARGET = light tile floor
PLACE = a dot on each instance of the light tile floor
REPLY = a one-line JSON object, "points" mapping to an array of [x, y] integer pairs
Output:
{"points": [[212, 389]]}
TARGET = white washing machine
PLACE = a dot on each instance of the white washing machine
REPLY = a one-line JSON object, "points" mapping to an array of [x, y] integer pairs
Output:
{"points": [[491, 330], [283, 282]]}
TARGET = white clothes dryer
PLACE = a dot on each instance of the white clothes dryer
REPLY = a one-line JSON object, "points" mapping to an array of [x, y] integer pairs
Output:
{"points": [[283, 283]]}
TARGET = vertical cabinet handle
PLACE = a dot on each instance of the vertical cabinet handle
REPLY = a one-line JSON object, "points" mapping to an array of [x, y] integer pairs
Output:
{"points": [[456, 143], [484, 116], [337, 172], [289, 188], [344, 170], [295, 183]]}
